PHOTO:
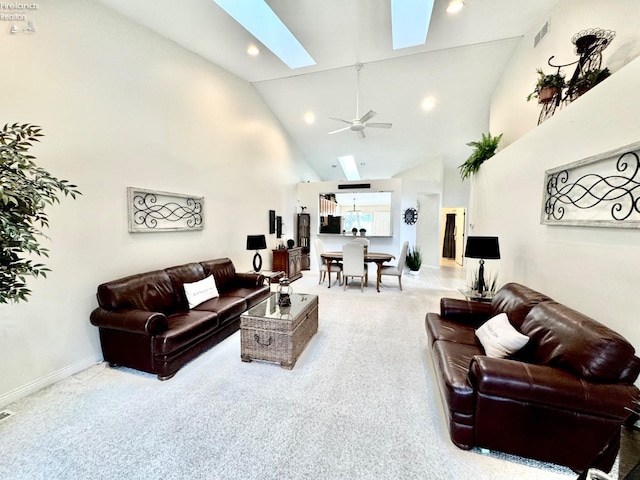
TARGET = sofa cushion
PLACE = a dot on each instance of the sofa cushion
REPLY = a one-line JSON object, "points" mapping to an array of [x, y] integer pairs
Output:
{"points": [[439, 328], [499, 338], [564, 338], [200, 291], [452, 363], [150, 291], [185, 329], [226, 306], [223, 271], [516, 301], [181, 274], [253, 296]]}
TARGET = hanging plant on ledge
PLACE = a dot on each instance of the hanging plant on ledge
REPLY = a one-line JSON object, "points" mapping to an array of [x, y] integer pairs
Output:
{"points": [[25, 191], [483, 150]]}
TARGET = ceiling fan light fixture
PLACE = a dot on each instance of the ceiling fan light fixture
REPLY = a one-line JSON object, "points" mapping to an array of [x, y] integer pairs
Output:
{"points": [[455, 6]]}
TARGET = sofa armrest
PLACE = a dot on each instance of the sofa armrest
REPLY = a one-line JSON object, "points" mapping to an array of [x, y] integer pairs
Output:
{"points": [[249, 279], [543, 385], [465, 311], [130, 320]]}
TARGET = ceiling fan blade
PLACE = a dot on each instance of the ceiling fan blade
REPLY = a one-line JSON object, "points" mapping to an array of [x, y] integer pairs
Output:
{"points": [[361, 134], [370, 114], [339, 130], [339, 119], [379, 125]]}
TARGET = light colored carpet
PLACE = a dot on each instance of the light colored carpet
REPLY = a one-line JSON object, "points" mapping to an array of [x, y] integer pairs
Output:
{"points": [[361, 403]]}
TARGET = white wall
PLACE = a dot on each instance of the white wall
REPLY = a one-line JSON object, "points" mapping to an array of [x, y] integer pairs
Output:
{"points": [[123, 107], [594, 270]]}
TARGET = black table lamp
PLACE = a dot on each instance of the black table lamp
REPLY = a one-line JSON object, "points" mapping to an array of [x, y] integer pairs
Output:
{"points": [[482, 247], [256, 242]]}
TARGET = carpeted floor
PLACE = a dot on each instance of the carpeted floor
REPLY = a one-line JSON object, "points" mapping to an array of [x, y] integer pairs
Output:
{"points": [[361, 403]]}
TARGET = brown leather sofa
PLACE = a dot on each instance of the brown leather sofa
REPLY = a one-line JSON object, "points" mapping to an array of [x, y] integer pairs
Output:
{"points": [[562, 398], [145, 321]]}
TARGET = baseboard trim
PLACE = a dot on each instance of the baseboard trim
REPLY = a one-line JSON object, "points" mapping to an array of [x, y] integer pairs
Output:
{"points": [[47, 380]]}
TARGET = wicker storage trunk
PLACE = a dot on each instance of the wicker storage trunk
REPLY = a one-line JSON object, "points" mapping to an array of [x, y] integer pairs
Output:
{"points": [[272, 333]]}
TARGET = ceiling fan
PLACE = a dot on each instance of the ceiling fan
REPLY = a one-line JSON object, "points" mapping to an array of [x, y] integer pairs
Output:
{"points": [[358, 124]]}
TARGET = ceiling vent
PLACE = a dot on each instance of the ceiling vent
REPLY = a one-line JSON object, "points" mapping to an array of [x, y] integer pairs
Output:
{"points": [[350, 186], [541, 34]]}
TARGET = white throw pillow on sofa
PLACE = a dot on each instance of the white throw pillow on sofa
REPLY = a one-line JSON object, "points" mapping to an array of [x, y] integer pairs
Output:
{"points": [[200, 291], [499, 338]]}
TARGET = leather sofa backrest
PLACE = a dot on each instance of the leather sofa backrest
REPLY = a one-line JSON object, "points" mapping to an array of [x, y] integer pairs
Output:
{"points": [[150, 291], [567, 339], [516, 301], [181, 274], [223, 271]]}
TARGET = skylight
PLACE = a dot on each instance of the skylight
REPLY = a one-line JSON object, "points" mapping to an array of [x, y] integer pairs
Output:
{"points": [[261, 22], [410, 22], [349, 167]]}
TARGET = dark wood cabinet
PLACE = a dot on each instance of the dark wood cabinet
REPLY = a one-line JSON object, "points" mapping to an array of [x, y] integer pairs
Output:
{"points": [[304, 238], [288, 260]]}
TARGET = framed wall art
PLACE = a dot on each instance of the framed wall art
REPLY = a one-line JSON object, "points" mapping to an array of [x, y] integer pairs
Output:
{"points": [[155, 211], [598, 191]]}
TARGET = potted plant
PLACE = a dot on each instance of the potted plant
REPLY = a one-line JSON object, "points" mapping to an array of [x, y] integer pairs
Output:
{"points": [[588, 80], [547, 86], [414, 260], [483, 150], [25, 191]]}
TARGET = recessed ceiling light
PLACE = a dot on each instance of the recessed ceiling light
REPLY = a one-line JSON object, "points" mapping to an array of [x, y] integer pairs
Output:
{"points": [[253, 50], [455, 6], [428, 103], [410, 22], [309, 117], [262, 22]]}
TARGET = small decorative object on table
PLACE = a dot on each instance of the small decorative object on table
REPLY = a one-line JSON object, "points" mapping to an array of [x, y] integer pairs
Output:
{"points": [[284, 293]]}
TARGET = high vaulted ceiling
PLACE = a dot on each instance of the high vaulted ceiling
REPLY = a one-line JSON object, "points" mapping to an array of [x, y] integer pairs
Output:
{"points": [[459, 66]]}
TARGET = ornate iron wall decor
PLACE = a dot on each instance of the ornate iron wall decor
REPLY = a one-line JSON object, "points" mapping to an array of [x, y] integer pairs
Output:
{"points": [[599, 191], [153, 211]]}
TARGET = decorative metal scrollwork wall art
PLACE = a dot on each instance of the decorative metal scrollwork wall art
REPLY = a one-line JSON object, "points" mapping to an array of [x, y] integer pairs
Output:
{"points": [[599, 191], [154, 211]]}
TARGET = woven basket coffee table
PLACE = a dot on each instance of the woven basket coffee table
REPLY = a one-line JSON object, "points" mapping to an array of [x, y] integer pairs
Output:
{"points": [[272, 333]]}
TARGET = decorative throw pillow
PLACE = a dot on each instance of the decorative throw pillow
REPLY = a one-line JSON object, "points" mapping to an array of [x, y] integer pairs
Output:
{"points": [[200, 291], [499, 338]]}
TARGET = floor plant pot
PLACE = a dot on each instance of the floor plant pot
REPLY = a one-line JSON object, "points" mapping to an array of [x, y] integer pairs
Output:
{"points": [[414, 272]]}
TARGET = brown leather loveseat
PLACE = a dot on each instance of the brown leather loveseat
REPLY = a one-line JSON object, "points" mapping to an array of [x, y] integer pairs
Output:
{"points": [[561, 398], [145, 321]]}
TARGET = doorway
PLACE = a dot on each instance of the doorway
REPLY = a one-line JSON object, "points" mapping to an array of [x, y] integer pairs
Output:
{"points": [[452, 236]]}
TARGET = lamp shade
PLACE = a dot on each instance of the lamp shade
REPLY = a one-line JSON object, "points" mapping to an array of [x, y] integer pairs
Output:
{"points": [[482, 247], [256, 242]]}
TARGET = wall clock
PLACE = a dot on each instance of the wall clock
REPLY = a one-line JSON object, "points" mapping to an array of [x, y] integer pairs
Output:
{"points": [[410, 216]]}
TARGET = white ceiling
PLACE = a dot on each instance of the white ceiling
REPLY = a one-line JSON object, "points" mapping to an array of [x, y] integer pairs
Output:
{"points": [[459, 65]]}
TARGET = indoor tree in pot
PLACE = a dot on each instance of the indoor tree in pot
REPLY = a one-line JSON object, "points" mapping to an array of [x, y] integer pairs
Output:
{"points": [[414, 260], [25, 191], [482, 151]]}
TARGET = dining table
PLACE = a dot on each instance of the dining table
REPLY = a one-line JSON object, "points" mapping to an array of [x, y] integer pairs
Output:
{"points": [[369, 257]]}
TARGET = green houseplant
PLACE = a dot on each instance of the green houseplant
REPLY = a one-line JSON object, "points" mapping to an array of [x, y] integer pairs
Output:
{"points": [[414, 259], [589, 79], [482, 151], [547, 86], [25, 191]]}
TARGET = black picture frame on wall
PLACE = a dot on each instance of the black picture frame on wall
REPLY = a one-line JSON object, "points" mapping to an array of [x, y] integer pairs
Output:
{"points": [[272, 221], [278, 226]]}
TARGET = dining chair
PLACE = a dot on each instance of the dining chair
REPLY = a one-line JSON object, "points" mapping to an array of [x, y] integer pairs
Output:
{"points": [[363, 241], [396, 270], [353, 264], [322, 265]]}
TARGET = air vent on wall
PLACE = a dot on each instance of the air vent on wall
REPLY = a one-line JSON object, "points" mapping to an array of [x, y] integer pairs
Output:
{"points": [[4, 414], [541, 34], [349, 186]]}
